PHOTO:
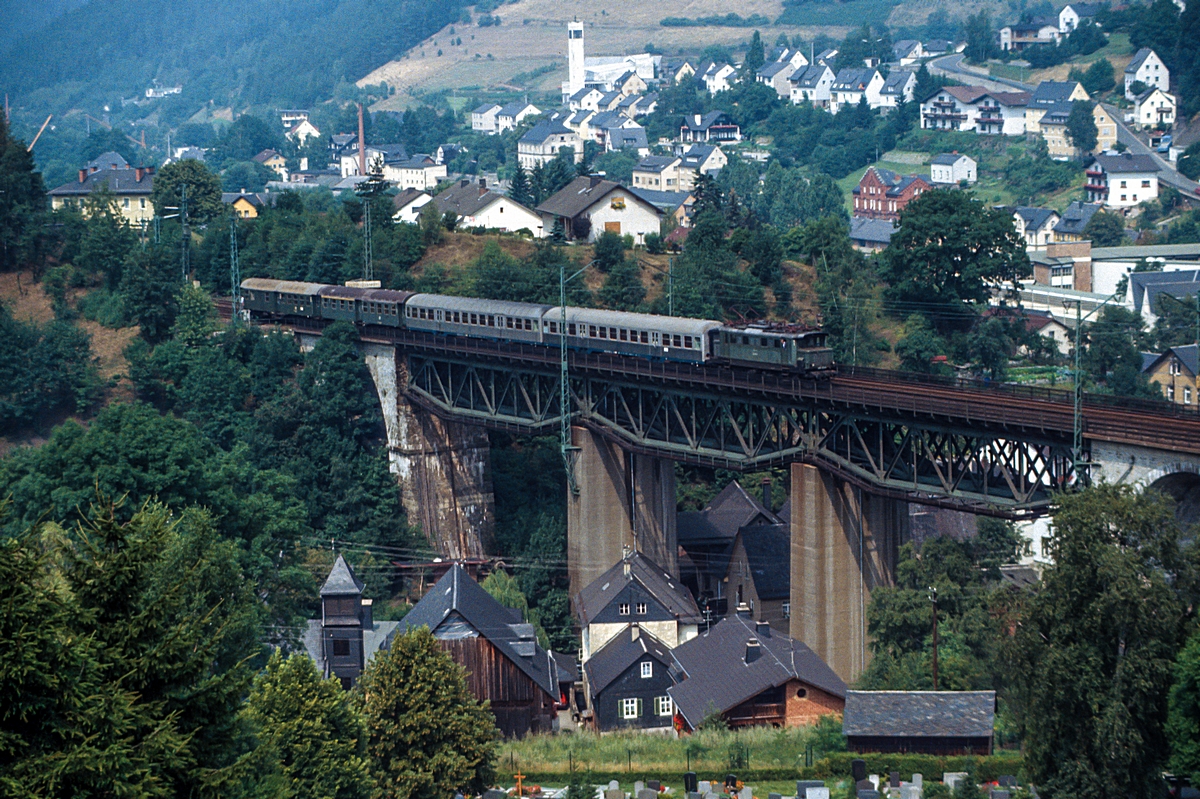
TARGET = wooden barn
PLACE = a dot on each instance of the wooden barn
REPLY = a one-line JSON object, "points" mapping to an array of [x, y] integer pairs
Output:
{"points": [[499, 651], [925, 722]]}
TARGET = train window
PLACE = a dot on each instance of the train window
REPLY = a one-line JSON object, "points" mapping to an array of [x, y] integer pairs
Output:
{"points": [[552, 327], [604, 332], [655, 338], [624, 334], [612, 333], [745, 339], [645, 337], [687, 342], [571, 329], [529, 324], [474, 319], [765, 343], [592, 331], [491, 321], [508, 322], [675, 342]]}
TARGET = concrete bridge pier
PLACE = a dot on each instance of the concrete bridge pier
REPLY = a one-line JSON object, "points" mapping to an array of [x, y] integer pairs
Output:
{"points": [[845, 543], [443, 468], [624, 500]]}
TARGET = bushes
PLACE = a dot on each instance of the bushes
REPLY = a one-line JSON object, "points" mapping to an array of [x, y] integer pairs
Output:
{"points": [[984, 768]]}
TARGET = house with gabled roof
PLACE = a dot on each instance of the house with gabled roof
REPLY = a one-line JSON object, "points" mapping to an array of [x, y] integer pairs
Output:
{"points": [[706, 538], [407, 205], [1154, 108], [542, 143], [812, 85], [504, 664], [715, 126], [1177, 373], [759, 573], [1050, 94], [627, 680], [871, 235], [752, 675], [950, 169], [920, 722], [346, 638], [1035, 225], [130, 188], [716, 77], [703, 158], [908, 51], [629, 83], [1074, 220], [790, 55], [1149, 70], [775, 74], [478, 206], [852, 86], [636, 590], [1122, 180], [883, 194], [513, 114], [1038, 31], [826, 57], [483, 118], [273, 160], [676, 70], [897, 88], [587, 98], [1072, 14]]}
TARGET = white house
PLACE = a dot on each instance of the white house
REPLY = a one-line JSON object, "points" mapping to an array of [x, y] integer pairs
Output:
{"points": [[301, 130], [1035, 225], [1148, 69], [419, 172], [542, 142], [408, 205], [1039, 31], [852, 86], [908, 51], [716, 77], [513, 114], [775, 74], [586, 99], [950, 169], [1122, 181], [974, 108], [478, 206], [898, 88], [483, 118], [795, 57], [812, 85], [1154, 108], [1071, 15], [590, 206]]}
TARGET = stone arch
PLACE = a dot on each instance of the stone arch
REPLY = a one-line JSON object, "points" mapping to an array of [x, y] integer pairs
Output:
{"points": [[1181, 484]]}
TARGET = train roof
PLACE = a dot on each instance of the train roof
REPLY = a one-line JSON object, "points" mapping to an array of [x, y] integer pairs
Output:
{"points": [[281, 286], [639, 321], [499, 307], [386, 295]]}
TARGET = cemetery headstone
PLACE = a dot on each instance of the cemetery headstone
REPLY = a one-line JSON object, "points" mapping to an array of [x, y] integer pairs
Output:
{"points": [[874, 778], [704, 786], [804, 785], [894, 779], [1007, 781], [815, 793], [638, 785], [952, 778], [494, 793], [654, 785], [858, 770], [746, 793], [617, 794], [646, 793], [868, 794], [918, 780], [910, 792], [999, 794], [730, 780], [613, 785]]}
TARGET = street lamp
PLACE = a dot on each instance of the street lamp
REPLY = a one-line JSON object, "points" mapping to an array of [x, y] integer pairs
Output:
{"points": [[1080, 318], [564, 398]]}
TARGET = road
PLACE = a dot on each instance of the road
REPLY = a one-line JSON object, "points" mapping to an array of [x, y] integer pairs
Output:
{"points": [[952, 66]]}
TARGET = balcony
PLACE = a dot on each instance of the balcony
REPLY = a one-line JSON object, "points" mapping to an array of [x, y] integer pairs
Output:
{"points": [[1096, 188], [1092, 172]]}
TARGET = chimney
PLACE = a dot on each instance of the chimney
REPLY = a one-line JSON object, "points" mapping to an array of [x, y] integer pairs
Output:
{"points": [[482, 185], [367, 616], [362, 153], [464, 183], [635, 631], [97, 169], [743, 610], [763, 629], [137, 174], [149, 170], [766, 492], [753, 651], [83, 173]]}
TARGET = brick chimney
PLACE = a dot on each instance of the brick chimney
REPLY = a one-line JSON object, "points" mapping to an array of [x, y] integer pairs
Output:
{"points": [[138, 172], [83, 173]]}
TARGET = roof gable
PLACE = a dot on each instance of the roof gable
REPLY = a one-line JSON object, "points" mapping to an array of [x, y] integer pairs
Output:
{"points": [[581, 194], [638, 569], [622, 651], [768, 553], [341, 580]]}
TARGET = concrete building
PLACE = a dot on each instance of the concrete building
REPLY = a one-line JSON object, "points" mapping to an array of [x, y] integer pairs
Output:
{"points": [[483, 118], [974, 108]]}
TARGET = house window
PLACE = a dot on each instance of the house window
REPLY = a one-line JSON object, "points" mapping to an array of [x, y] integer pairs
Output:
{"points": [[641, 608], [623, 609], [663, 706], [1187, 395], [1123, 184], [647, 669], [1145, 184], [1171, 393], [341, 648], [787, 610], [125, 202], [1174, 368], [630, 708]]}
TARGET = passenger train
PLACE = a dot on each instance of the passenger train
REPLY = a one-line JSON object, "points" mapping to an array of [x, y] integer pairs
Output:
{"points": [[756, 345]]}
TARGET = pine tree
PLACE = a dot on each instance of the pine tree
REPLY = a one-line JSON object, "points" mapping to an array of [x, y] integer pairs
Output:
{"points": [[754, 56], [309, 735], [520, 191], [427, 736], [21, 200], [537, 183], [623, 289]]}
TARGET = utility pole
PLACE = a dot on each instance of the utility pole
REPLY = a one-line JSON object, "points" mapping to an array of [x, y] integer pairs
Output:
{"points": [[235, 272], [933, 601], [671, 286], [185, 250]]}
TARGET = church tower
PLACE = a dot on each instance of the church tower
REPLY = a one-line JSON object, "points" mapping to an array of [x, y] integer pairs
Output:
{"points": [[575, 72]]}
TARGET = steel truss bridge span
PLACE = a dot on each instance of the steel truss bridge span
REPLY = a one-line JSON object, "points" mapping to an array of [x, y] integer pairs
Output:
{"points": [[1000, 452]]}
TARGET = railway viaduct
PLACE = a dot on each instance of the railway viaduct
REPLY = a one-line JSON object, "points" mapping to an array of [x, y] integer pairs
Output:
{"points": [[859, 445]]}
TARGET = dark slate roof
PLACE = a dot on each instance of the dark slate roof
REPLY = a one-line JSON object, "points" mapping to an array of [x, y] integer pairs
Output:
{"points": [[618, 654], [719, 677], [769, 553], [774, 68], [544, 130], [578, 196], [392, 153], [905, 46], [108, 160], [118, 181], [853, 79], [584, 92], [406, 198], [810, 77], [1076, 216], [512, 109], [568, 666], [257, 199], [376, 638], [726, 513], [628, 138], [341, 580], [1139, 58], [1147, 287], [465, 198], [696, 155], [1126, 162], [1049, 92], [265, 155], [876, 231], [1149, 359], [706, 121], [456, 593], [946, 159], [655, 163], [665, 200], [919, 714], [896, 81], [964, 94], [485, 108], [1188, 354], [1034, 217], [1085, 10], [654, 579], [938, 46]]}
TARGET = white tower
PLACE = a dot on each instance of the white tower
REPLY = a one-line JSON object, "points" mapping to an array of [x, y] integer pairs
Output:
{"points": [[575, 73]]}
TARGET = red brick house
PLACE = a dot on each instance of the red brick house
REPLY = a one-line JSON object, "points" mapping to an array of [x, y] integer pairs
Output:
{"points": [[882, 194]]}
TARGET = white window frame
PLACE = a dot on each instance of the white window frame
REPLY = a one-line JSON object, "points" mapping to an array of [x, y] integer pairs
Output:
{"points": [[663, 706], [641, 608], [647, 669], [623, 609], [630, 708]]}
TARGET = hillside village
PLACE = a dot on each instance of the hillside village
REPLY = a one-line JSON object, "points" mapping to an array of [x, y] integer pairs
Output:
{"points": [[1012, 209]]}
